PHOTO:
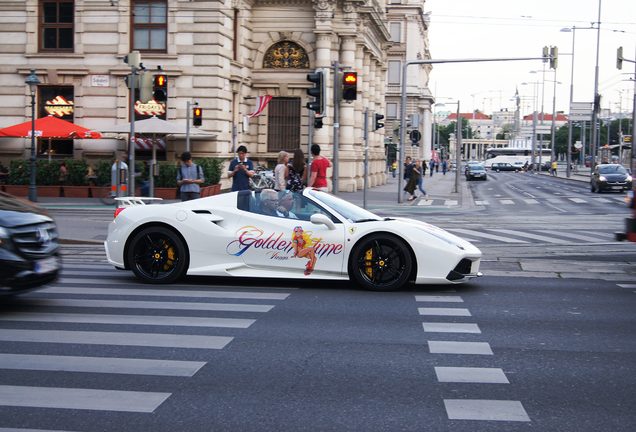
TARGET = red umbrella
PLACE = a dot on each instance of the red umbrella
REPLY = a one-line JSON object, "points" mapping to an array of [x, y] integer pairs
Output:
{"points": [[49, 127]]}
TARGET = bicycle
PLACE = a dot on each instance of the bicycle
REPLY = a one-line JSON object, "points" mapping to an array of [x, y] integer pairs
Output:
{"points": [[104, 195], [262, 179]]}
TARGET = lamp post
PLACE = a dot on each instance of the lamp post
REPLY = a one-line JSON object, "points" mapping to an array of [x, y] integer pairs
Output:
{"points": [[32, 81]]}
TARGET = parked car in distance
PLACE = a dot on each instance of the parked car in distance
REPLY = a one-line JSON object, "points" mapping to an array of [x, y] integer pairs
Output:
{"points": [[476, 172], [472, 163], [504, 166], [29, 246], [610, 177]]}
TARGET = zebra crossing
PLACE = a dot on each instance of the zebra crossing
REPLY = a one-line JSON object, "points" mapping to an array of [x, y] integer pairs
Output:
{"points": [[619, 199], [543, 236], [171, 325]]}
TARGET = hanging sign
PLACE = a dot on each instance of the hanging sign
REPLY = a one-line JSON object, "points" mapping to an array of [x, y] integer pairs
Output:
{"points": [[151, 108]]}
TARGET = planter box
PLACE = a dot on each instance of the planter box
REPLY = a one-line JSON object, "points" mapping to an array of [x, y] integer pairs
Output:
{"points": [[210, 190], [76, 191], [49, 191], [166, 193], [17, 190]]}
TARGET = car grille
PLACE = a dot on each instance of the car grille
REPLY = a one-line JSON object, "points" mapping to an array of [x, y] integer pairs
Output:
{"points": [[35, 240]]}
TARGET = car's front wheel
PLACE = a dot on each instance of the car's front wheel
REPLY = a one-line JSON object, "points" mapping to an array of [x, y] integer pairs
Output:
{"points": [[157, 255], [381, 263]]}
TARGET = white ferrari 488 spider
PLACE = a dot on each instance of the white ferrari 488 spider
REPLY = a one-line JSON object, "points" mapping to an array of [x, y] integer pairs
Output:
{"points": [[312, 235]]}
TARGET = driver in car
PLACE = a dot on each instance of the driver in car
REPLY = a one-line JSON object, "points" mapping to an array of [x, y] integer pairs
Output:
{"points": [[269, 202]]}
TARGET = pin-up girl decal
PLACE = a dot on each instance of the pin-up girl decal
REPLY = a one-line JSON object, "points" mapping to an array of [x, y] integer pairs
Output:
{"points": [[302, 249]]}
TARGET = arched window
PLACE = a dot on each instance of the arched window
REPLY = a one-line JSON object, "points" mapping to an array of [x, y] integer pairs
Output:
{"points": [[286, 55]]}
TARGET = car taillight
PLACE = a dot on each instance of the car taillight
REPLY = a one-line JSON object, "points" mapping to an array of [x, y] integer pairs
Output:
{"points": [[118, 210]]}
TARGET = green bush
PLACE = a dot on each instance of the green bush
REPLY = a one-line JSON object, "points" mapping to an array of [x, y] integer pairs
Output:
{"points": [[102, 171], [47, 173], [76, 170], [167, 174], [19, 172], [212, 168]]}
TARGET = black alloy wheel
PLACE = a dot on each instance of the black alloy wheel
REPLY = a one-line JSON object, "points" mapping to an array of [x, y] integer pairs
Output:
{"points": [[381, 262], [157, 255]]}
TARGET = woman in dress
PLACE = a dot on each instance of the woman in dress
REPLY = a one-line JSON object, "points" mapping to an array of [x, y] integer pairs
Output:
{"points": [[280, 172], [297, 172]]}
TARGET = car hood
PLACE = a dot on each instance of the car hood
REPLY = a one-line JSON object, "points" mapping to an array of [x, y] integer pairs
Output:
{"points": [[440, 234], [17, 212], [615, 177]]}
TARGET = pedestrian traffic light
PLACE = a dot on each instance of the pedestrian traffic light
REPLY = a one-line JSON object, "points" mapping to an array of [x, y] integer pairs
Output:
{"points": [[546, 54], [145, 88], [349, 86], [619, 58], [554, 57], [415, 136], [376, 121], [160, 88], [197, 117], [132, 81], [319, 93]]}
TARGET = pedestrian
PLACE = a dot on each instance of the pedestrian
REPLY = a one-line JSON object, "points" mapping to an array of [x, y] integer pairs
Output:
{"points": [[318, 178], [444, 166], [408, 169], [431, 166], [417, 172], [394, 168], [189, 178], [411, 185], [280, 172], [554, 167], [297, 172], [525, 167], [241, 170]]}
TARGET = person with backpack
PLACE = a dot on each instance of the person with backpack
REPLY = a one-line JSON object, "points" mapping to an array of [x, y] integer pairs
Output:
{"points": [[189, 178]]}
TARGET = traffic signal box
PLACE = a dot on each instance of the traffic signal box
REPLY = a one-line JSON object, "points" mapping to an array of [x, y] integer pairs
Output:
{"points": [[197, 117], [349, 86], [160, 88], [319, 93], [376, 121]]}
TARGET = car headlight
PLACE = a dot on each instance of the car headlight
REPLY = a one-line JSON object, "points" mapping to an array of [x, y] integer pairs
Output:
{"points": [[629, 178], [4, 237], [602, 178]]}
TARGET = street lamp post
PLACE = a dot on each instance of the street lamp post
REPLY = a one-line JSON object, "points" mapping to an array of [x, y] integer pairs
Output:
{"points": [[32, 81]]}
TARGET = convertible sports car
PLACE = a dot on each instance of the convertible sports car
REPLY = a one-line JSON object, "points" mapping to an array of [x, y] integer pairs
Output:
{"points": [[313, 235]]}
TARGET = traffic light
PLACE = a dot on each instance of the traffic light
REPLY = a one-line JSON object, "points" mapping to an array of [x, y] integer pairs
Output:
{"points": [[160, 88], [546, 54], [349, 86], [415, 137], [132, 81], [554, 57], [197, 117], [145, 87], [376, 121], [319, 92], [619, 58], [133, 59]]}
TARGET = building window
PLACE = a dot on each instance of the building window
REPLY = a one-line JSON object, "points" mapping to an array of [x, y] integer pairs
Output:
{"points": [[149, 25], [395, 67], [396, 31], [391, 110], [286, 55], [284, 124], [56, 26], [56, 101]]}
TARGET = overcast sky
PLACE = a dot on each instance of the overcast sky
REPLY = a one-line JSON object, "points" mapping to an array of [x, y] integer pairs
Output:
{"points": [[513, 28]]}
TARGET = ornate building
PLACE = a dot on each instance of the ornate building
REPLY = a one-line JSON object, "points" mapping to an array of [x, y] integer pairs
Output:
{"points": [[223, 54]]}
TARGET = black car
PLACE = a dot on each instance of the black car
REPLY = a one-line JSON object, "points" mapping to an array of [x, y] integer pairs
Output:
{"points": [[610, 177], [476, 172], [29, 246], [504, 166]]}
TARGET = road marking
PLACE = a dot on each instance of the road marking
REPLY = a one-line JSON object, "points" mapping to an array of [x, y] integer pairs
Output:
{"points": [[434, 298], [128, 320], [444, 311], [450, 203], [570, 235], [471, 375], [485, 235], [445, 347], [630, 286], [484, 203], [161, 293], [532, 236], [110, 365], [506, 201], [87, 399], [425, 203], [531, 201], [476, 409], [451, 328], [116, 338], [578, 200], [153, 305]]}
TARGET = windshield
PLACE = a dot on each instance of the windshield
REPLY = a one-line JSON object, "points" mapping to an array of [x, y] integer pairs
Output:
{"points": [[477, 168], [349, 211], [612, 169]]}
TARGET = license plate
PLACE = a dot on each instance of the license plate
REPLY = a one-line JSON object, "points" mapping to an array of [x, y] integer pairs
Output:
{"points": [[617, 187], [46, 265]]}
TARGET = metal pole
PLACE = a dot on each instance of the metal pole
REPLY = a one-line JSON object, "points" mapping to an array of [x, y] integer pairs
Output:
{"points": [[336, 129], [33, 192], [366, 156], [310, 141], [458, 155], [553, 133], [631, 156], [131, 151], [570, 123], [401, 145], [533, 159], [596, 95], [187, 126]]}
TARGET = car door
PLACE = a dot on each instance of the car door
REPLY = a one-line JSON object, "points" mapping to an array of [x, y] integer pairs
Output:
{"points": [[291, 245]]}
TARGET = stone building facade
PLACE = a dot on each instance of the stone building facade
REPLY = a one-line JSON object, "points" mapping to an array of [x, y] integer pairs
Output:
{"points": [[221, 54]]}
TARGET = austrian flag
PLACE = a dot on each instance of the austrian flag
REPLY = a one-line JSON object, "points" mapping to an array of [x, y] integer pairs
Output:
{"points": [[261, 103]]}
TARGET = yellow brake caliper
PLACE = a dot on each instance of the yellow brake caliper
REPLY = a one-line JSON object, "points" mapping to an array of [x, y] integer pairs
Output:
{"points": [[171, 259], [369, 257]]}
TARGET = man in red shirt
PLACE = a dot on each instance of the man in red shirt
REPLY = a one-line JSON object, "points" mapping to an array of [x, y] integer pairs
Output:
{"points": [[318, 178]]}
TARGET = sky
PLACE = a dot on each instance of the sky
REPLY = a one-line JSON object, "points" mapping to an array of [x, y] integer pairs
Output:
{"points": [[470, 29]]}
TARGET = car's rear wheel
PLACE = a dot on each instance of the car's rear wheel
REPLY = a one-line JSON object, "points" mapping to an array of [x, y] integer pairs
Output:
{"points": [[497, 170], [157, 255], [381, 262]]}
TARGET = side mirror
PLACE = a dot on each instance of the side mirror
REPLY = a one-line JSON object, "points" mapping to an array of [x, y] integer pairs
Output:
{"points": [[321, 219]]}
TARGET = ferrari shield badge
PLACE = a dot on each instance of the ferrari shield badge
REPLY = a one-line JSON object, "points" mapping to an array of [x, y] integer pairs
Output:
{"points": [[352, 230]]}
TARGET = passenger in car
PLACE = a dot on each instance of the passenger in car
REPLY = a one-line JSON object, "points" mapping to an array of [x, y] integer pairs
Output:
{"points": [[269, 202], [285, 204]]}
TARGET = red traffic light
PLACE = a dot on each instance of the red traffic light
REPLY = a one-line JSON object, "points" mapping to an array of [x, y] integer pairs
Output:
{"points": [[160, 81], [349, 86], [197, 117], [350, 78]]}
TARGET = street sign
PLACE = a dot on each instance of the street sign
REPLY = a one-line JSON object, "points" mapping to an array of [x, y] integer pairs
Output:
{"points": [[541, 129], [578, 145], [581, 111]]}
